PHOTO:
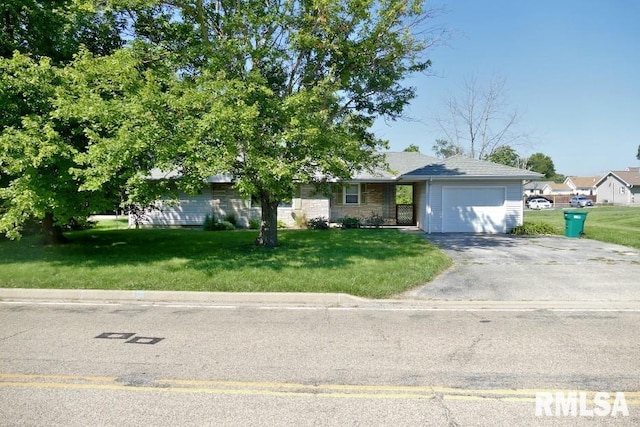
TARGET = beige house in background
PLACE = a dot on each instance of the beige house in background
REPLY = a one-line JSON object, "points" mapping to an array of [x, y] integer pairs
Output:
{"points": [[583, 184], [620, 187]]}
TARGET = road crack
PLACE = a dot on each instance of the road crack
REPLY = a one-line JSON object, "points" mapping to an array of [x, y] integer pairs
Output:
{"points": [[14, 335], [451, 422], [463, 355]]}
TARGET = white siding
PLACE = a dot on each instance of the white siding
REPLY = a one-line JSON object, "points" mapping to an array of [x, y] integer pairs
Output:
{"points": [[222, 200], [189, 210], [434, 215], [421, 200]]}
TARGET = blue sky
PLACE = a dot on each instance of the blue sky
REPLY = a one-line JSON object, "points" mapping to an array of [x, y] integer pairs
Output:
{"points": [[572, 67]]}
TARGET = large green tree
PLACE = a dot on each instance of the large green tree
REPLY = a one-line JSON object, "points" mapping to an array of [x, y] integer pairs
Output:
{"points": [[38, 147], [274, 93], [279, 92]]}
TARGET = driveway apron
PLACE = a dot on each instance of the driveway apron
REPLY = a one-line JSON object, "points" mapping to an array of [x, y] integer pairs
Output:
{"points": [[540, 268]]}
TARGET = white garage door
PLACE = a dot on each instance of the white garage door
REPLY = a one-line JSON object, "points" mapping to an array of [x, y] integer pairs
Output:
{"points": [[474, 209]]}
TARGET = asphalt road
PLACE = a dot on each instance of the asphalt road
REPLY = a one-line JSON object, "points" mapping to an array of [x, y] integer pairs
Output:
{"points": [[135, 364]]}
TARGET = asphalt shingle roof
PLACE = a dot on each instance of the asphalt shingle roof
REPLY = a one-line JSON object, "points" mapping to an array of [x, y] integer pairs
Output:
{"points": [[462, 166], [629, 177], [399, 163]]}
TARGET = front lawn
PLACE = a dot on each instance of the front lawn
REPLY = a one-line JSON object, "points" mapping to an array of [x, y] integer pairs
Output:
{"points": [[370, 262], [613, 224]]}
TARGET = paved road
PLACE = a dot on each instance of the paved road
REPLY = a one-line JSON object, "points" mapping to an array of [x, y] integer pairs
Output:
{"points": [[551, 268], [135, 364]]}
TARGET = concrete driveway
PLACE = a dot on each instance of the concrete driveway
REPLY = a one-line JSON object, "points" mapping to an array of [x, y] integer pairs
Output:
{"points": [[547, 268]]}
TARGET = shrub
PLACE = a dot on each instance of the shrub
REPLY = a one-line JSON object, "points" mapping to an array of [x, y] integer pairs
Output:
{"points": [[231, 218], [281, 224], [254, 224], [534, 228], [225, 225], [319, 223], [374, 220], [349, 222], [209, 222], [212, 224]]}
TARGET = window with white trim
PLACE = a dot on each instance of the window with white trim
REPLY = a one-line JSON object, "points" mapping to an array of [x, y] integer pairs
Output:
{"points": [[351, 194]]}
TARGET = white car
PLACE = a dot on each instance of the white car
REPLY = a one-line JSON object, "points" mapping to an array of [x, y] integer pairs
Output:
{"points": [[540, 204]]}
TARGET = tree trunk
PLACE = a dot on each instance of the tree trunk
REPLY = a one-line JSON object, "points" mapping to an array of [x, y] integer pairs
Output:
{"points": [[268, 236], [52, 233]]}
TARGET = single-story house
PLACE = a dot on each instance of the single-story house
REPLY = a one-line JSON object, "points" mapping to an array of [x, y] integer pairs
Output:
{"points": [[458, 194], [585, 185], [620, 187], [546, 188]]}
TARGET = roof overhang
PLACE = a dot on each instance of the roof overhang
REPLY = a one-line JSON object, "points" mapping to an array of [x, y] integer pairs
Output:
{"points": [[464, 178]]}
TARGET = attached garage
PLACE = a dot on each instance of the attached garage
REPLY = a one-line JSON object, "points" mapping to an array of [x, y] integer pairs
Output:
{"points": [[474, 209], [463, 195]]}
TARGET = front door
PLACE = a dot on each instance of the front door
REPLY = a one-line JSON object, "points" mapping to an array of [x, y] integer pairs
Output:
{"points": [[405, 209]]}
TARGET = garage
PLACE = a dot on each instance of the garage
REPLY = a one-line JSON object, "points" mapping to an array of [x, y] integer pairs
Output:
{"points": [[474, 209]]}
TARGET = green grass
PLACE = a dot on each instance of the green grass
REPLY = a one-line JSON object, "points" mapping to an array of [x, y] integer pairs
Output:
{"points": [[369, 263], [613, 224]]}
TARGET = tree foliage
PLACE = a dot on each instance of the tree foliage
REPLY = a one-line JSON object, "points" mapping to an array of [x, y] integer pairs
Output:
{"points": [[57, 28], [38, 147], [274, 93], [412, 148], [543, 164], [283, 92], [505, 155], [444, 148]]}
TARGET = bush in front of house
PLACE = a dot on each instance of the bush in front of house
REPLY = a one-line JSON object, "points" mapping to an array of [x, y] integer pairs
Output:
{"points": [[375, 220], [349, 222], [254, 224], [211, 223], [231, 219], [533, 228], [319, 223]]}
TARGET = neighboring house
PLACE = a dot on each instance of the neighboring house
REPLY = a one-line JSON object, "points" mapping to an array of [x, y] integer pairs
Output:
{"points": [[550, 188], [620, 187], [583, 184], [535, 188], [458, 194]]}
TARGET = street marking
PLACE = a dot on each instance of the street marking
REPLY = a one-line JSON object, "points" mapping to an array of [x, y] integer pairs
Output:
{"points": [[274, 389], [127, 335], [115, 335], [144, 340]]}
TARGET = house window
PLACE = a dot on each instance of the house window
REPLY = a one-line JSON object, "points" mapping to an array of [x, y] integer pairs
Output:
{"points": [[351, 194]]}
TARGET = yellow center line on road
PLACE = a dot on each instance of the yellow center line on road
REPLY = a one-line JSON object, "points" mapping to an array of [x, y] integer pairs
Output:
{"points": [[248, 388]]}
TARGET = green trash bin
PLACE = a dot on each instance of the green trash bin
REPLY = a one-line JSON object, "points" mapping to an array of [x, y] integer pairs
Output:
{"points": [[574, 223]]}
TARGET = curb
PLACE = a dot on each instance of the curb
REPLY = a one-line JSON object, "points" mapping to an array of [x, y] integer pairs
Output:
{"points": [[138, 296], [293, 299]]}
